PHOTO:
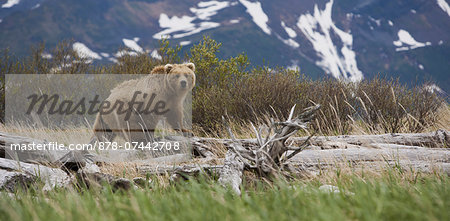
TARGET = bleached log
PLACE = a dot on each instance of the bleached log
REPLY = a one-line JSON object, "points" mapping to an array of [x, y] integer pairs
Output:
{"points": [[369, 155], [31, 156], [12, 181], [189, 169], [315, 168], [76, 159], [311, 161], [52, 177], [202, 149], [92, 177], [231, 173], [439, 138], [421, 159]]}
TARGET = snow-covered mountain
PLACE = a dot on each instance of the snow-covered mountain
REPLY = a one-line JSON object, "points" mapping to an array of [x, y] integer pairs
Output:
{"points": [[346, 39]]}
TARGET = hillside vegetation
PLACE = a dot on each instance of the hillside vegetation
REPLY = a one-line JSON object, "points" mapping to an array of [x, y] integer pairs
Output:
{"points": [[235, 89]]}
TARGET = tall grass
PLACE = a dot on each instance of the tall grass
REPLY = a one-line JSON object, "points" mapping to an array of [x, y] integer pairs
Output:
{"points": [[387, 197]]}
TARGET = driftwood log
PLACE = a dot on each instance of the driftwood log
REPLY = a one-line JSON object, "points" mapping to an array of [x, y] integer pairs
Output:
{"points": [[65, 157], [439, 138], [268, 156], [12, 180], [424, 152], [52, 177], [31, 156]]}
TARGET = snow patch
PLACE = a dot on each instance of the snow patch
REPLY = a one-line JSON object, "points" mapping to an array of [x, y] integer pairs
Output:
{"points": [[289, 31], [59, 68], [10, 3], [390, 23], [113, 60], [402, 49], [444, 6], [234, 21], [420, 66], [183, 43], [317, 28], [124, 53], [377, 21], [46, 55], [290, 42], [178, 27], [440, 42], [434, 88], [294, 65], [36, 6], [413, 11], [407, 42], [259, 17], [292, 34], [155, 55], [106, 55], [133, 45], [349, 16], [84, 52], [1, 20], [174, 24], [64, 67], [202, 26], [208, 9]]}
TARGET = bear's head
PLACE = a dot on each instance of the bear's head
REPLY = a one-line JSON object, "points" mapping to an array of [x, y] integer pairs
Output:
{"points": [[181, 77]]}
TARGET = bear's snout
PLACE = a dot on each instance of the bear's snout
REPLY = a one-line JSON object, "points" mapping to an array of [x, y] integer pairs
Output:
{"points": [[183, 83]]}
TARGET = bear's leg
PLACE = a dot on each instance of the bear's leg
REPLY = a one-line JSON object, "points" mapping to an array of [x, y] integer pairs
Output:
{"points": [[175, 120], [101, 130], [141, 136], [142, 127]]}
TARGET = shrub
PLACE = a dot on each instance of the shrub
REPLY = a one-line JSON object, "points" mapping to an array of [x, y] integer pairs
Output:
{"points": [[391, 107], [336, 99]]}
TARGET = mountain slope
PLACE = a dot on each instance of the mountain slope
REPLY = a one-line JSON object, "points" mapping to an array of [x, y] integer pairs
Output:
{"points": [[346, 39]]}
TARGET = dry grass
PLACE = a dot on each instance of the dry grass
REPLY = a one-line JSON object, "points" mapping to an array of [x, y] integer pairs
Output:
{"points": [[66, 136]]}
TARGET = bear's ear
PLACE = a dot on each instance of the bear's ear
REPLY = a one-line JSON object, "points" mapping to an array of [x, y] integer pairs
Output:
{"points": [[191, 66], [168, 67]]}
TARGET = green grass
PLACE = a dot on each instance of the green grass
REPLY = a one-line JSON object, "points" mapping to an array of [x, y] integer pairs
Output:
{"points": [[391, 196]]}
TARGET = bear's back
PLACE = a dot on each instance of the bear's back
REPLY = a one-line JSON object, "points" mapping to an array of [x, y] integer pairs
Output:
{"points": [[158, 70]]}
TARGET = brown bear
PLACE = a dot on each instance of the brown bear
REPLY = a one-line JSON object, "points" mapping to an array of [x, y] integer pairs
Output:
{"points": [[134, 107]]}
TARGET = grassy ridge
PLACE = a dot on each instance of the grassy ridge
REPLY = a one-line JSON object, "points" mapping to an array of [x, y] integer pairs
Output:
{"points": [[387, 197]]}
